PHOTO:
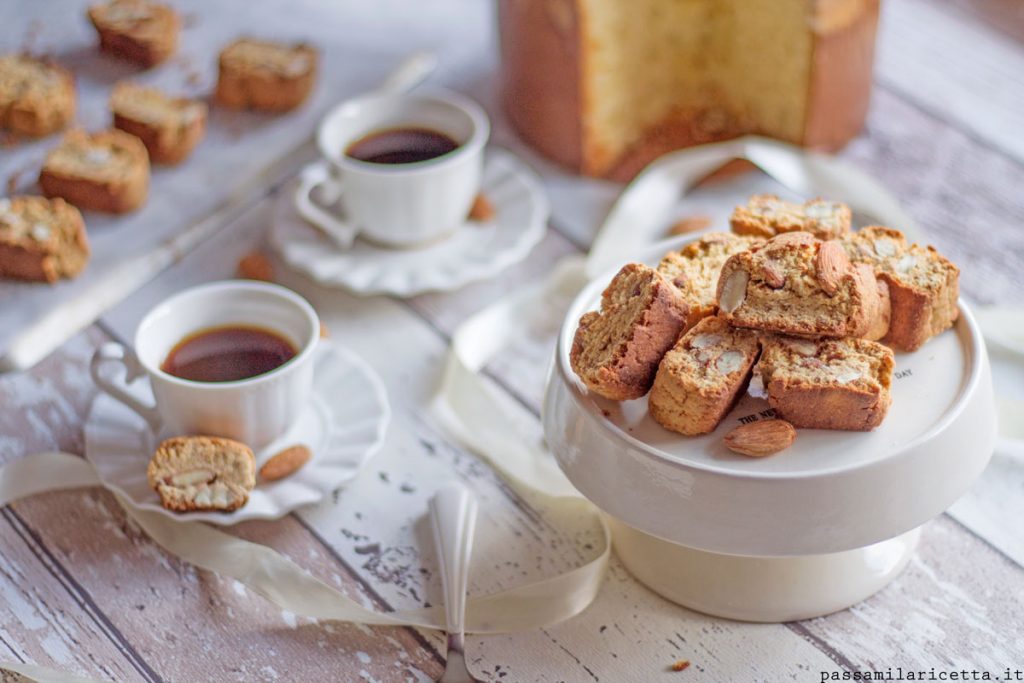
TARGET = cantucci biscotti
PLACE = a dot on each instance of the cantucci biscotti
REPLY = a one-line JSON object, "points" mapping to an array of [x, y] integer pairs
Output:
{"points": [[923, 285], [41, 239], [616, 350], [702, 377], [799, 285], [826, 383], [106, 171], [694, 270]]}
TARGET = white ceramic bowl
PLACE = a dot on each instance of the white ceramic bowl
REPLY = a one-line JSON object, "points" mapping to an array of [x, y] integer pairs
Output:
{"points": [[830, 492]]}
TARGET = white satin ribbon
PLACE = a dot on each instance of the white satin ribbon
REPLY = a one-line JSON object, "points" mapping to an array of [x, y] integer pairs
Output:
{"points": [[468, 408]]}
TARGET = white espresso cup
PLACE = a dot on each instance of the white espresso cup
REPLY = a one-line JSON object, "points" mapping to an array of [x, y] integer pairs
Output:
{"points": [[396, 205], [255, 410]]}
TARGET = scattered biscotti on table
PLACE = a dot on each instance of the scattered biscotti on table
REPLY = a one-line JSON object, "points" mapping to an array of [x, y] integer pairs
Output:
{"points": [[765, 215], [923, 286], [695, 268], [138, 31], [106, 171], [702, 377], [169, 127], [797, 284], [37, 97], [826, 384], [264, 75], [202, 473], [616, 351], [41, 239]]}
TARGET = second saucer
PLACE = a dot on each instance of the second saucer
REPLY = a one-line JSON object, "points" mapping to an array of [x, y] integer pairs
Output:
{"points": [[474, 252]]}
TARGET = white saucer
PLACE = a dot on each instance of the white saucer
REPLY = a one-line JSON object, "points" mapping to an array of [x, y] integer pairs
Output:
{"points": [[474, 252], [344, 425]]}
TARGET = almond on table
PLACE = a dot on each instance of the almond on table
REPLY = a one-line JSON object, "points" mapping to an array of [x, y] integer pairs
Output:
{"points": [[256, 266]]}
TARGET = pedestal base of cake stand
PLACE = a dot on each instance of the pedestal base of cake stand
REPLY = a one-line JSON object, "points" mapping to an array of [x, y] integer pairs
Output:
{"points": [[762, 589]]}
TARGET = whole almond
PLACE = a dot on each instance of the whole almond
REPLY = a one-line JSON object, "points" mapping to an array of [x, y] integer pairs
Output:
{"points": [[772, 275], [256, 266], [285, 463], [482, 210], [192, 477], [685, 226], [733, 291], [831, 265], [761, 438]]}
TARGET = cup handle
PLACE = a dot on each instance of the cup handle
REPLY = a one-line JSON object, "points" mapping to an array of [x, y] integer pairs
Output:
{"points": [[317, 178], [112, 352]]}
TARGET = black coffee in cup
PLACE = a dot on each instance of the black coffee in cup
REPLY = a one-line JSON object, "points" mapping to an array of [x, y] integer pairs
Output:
{"points": [[401, 146]]}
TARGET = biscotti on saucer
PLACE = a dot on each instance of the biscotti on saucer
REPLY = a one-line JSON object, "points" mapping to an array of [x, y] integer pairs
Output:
{"points": [[169, 127], [923, 285], [138, 31], [202, 473], [799, 285], [36, 97], [701, 378], [765, 215], [106, 171], [694, 270], [825, 384], [264, 75], [616, 351], [41, 239]]}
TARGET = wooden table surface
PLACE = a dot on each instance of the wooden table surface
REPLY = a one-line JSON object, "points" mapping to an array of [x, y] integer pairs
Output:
{"points": [[83, 590]]}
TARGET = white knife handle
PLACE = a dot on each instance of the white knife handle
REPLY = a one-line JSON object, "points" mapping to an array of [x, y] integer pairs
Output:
{"points": [[413, 70], [453, 511]]}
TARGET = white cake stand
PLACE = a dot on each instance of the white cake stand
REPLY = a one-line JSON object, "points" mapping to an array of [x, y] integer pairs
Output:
{"points": [[811, 530]]}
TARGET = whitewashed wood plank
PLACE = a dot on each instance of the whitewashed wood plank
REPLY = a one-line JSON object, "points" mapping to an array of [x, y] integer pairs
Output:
{"points": [[942, 57]]}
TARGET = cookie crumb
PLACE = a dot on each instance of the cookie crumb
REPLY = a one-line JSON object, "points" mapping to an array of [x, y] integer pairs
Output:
{"points": [[681, 665], [482, 210], [688, 224], [256, 266]]}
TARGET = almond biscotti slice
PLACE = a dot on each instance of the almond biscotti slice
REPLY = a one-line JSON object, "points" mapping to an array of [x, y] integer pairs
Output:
{"points": [[825, 384], [169, 127], [192, 473], [106, 171], [256, 74], [41, 239], [702, 377], [616, 351], [138, 31], [765, 215], [36, 97], [923, 285], [796, 284], [694, 270]]}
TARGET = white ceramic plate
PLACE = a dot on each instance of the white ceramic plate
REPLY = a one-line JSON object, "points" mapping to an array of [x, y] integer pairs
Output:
{"points": [[475, 252], [830, 491], [344, 426]]}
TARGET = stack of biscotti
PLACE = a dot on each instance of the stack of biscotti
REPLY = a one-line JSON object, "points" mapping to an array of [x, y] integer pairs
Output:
{"points": [[793, 306]]}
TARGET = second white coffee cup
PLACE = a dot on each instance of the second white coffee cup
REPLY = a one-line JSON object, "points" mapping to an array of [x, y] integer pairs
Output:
{"points": [[254, 410], [398, 205]]}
